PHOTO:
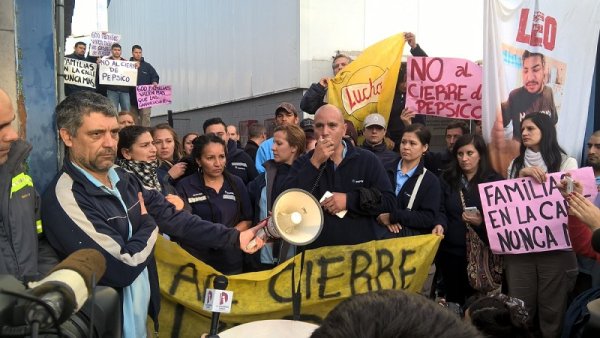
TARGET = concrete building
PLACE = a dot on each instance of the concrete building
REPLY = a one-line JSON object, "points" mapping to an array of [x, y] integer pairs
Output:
{"points": [[240, 59]]}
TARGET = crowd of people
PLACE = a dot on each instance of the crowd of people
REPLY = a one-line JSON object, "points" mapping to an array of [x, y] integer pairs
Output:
{"points": [[207, 193], [124, 98]]}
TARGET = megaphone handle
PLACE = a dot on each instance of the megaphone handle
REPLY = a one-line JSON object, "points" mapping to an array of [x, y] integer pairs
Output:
{"points": [[260, 233]]}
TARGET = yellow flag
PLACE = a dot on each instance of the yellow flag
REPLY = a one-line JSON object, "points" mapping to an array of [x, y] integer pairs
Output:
{"points": [[330, 275], [367, 85]]}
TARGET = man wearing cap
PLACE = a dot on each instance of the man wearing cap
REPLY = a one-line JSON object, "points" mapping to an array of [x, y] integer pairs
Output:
{"points": [[374, 132], [308, 125], [285, 114]]}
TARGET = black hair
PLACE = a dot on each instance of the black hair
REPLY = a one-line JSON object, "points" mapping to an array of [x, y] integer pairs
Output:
{"points": [[421, 131], [551, 152], [136, 47], [453, 174], [528, 54], [458, 124], [211, 121], [199, 144], [493, 317], [128, 136], [392, 314], [115, 45], [79, 43]]}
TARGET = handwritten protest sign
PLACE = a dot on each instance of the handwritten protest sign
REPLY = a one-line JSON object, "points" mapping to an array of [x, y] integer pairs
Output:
{"points": [[118, 72], [524, 216], [153, 95], [80, 73], [330, 275], [101, 42], [444, 87]]}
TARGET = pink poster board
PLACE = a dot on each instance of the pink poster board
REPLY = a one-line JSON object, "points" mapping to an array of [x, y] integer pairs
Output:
{"points": [[153, 95], [523, 216], [444, 87]]}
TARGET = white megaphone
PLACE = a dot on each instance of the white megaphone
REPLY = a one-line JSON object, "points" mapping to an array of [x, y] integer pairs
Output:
{"points": [[297, 218]]}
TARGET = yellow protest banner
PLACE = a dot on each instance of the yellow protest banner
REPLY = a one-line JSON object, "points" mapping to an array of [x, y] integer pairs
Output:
{"points": [[367, 85], [330, 275]]}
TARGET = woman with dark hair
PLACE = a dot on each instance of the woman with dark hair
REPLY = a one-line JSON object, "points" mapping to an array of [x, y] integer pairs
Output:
{"points": [[188, 143], [219, 197], [469, 166], [417, 189], [289, 142], [542, 279], [136, 153], [169, 153]]}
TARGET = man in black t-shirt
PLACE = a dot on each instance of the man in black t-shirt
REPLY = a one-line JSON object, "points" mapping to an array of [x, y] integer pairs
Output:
{"points": [[533, 96]]}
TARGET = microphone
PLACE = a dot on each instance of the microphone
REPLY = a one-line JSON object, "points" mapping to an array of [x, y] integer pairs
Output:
{"points": [[217, 301], [66, 288]]}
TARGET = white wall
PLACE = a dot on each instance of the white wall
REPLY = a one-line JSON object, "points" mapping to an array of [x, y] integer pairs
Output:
{"points": [[213, 51], [227, 50]]}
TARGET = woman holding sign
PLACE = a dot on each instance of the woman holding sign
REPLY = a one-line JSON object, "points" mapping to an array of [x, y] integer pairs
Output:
{"points": [[461, 208], [542, 279]]}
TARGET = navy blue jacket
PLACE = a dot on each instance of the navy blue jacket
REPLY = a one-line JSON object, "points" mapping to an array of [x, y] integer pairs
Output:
{"points": [[77, 214], [239, 163], [451, 216], [228, 206], [386, 156], [420, 219], [359, 169], [313, 98], [146, 75]]}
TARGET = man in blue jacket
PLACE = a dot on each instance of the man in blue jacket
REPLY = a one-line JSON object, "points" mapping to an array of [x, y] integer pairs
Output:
{"points": [[354, 176], [147, 75], [92, 203]]}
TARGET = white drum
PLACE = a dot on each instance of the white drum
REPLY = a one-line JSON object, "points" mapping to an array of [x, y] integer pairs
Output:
{"points": [[276, 328]]}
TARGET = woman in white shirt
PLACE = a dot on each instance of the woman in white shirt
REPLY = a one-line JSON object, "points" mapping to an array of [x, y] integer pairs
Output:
{"points": [[543, 279]]}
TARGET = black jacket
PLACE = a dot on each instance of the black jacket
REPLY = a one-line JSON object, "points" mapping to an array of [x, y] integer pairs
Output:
{"points": [[251, 148], [421, 218], [451, 216], [239, 163], [386, 156], [146, 75], [22, 254], [313, 98], [359, 169], [79, 215]]}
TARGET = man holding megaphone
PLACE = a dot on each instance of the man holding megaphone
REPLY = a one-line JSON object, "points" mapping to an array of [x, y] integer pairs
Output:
{"points": [[349, 181]]}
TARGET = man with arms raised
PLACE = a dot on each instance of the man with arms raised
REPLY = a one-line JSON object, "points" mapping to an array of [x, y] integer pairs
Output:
{"points": [[92, 203]]}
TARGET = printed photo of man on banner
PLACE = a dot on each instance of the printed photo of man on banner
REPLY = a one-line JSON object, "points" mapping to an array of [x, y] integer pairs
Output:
{"points": [[538, 57]]}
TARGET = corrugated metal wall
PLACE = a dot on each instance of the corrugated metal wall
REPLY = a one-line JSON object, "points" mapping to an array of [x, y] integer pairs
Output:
{"points": [[213, 52]]}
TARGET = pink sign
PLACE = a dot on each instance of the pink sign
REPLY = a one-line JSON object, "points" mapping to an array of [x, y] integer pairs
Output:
{"points": [[524, 216], [444, 87], [153, 95]]}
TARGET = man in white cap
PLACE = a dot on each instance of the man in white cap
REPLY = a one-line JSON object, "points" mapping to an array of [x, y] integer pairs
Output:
{"points": [[374, 133]]}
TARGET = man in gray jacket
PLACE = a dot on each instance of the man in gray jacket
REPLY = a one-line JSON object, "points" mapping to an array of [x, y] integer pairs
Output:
{"points": [[20, 226]]}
